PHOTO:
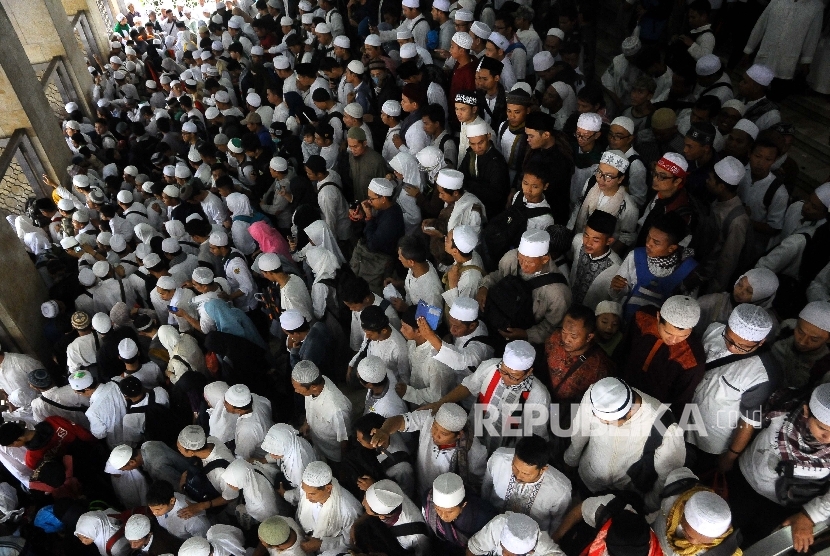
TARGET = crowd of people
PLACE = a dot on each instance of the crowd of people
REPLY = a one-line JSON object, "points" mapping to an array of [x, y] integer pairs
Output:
{"points": [[584, 314]]}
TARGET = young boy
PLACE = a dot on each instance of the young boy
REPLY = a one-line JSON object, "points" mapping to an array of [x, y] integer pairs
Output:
{"points": [[609, 317]]}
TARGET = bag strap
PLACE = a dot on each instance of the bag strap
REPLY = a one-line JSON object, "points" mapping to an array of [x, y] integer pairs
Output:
{"points": [[545, 280], [773, 188], [412, 528], [121, 287], [729, 359], [573, 368], [114, 539], [53, 403], [393, 459], [181, 360], [215, 464]]}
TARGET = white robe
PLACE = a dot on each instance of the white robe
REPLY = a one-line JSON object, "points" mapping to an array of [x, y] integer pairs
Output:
{"points": [[106, 413], [331, 521], [430, 378], [14, 371], [488, 540], [329, 418]]}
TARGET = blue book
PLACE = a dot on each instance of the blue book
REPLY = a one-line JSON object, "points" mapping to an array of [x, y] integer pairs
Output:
{"points": [[429, 312]]}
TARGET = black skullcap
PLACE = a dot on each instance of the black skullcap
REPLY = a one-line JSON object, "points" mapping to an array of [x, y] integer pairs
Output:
{"points": [[540, 122], [10, 432], [602, 222], [293, 40], [143, 322], [130, 387], [519, 97], [325, 130], [492, 65], [373, 319], [703, 133], [407, 69], [39, 378], [316, 164], [320, 94], [305, 70], [628, 535]]}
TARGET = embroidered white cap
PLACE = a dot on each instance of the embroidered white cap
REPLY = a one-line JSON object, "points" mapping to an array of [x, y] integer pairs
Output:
{"points": [[317, 474], [305, 372], [708, 514], [464, 308], [681, 311], [384, 496], [372, 369], [192, 437], [519, 355], [534, 243], [127, 348], [611, 398], [238, 395], [450, 179], [750, 322], [520, 533], [448, 490]]}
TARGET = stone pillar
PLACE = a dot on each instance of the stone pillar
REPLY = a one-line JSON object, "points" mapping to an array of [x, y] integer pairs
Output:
{"points": [[44, 129], [74, 56], [21, 293]]}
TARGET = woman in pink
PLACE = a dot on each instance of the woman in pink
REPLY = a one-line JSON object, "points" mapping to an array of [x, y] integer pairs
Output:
{"points": [[269, 239]]}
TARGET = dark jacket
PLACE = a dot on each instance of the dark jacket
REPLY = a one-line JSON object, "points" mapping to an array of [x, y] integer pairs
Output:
{"points": [[499, 112], [488, 178]]}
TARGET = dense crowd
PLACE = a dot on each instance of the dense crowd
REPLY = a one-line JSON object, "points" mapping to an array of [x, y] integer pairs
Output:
{"points": [[584, 314]]}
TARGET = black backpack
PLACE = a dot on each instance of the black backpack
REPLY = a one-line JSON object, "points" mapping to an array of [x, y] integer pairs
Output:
{"points": [[510, 301], [504, 231], [160, 422], [198, 487]]}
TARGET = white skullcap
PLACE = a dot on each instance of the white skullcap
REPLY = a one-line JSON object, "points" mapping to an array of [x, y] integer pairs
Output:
{"points": [[823, 194], [291, 320], [218, 239], [748, 127], [384, 496], [171, 190], [120, 456], [257, 51], [86, 277], [81, 215], [447, 490], [80, 380], [269, 262], [464, 308], [166, 282], [147, 186], [72, 124], [238, 395], [71, 107], [556, 32], [481, 30], [735, 104], [137, 527], [151, 260], [519, 355], [730, 170], [125, 197], [450, 179], [372, 40], [103, 103], [49, 309], [66, 204], [589, 121], [203, 276], [708, 514], [104, 238], [707, 65], [323, 29], [142, 250], [222, 96], [451, 417], [307, 18], [189, 127], [750, 322], [534, 243], [317, 474], [211, 113], [169, 170], [408, 51], [195, 546], [820, 403], [234, 24], [463, 15], [442, 5], [761, 74], [412, 3], [305, 6], [254, 100], [207, 55], [382, 186], [127, 348], [543, 61], [182, 171], [520, 533], [372, 369], [611, 398], [217, 46], [286, 21], [615, 158], [281, 62], [623, 121], [499, 40], [305, 372], [464, 40], [194, 156], [465, 238], [101, 269], [150, 84], [817, 313], [119, 75], [170, 245], [631, 46], [342, 41], [391, 108], [681, 311], [80, 181], [356, 66], [477, 129], [192, 437], [354, 110], [164, 79]]}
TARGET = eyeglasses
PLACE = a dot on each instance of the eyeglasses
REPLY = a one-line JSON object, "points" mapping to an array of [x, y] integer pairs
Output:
{"points": [[618, 136], [372, 199], [605, 176], [663, 177], [730, 342], [501, 368], [584, 136]]}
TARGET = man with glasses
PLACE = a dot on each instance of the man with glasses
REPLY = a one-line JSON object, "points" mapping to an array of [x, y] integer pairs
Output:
{"points": [[511, 402], [588, 146], [668, 180], [739, 379], [621, 138]]}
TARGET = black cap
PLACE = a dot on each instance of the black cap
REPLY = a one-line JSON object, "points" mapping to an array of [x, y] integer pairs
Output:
{"points": [[10, 432], [628, 535], [130, 387], [602, 222], [492, 65], [316, 164], [703, 133], [540, 122]]}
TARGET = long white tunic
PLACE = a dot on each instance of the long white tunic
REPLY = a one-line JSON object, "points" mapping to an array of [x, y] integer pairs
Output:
{"points": [[430, 379], [106, 413], [196, 526], [14, 371], [426, 288], [252, 427], [332, 520], [394, 353], [356, 335], [488, 540], [65, 396], [329, 418]]}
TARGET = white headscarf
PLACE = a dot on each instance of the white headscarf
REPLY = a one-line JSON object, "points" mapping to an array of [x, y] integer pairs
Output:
{"points": [[99, 527], [169, 337], [145, 232], [323, 263], [226, 540], [295, 452], [320, 235], [221, 424], [175, 229], [431, 161], [406, 164], [260, 501], [36, 242], [238, 204]]}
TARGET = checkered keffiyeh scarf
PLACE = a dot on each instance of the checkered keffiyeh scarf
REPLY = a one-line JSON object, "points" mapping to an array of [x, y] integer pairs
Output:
{"points": [[797, 445]]}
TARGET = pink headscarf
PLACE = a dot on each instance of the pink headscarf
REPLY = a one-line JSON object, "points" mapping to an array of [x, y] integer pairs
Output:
{"points": [[269, 239]]}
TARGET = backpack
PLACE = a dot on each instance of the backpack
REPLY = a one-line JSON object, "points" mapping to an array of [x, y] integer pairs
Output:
{"points": [[642, 472], [708, 233], [504, 231], [510, 301], [160, 423], [198, 487]]}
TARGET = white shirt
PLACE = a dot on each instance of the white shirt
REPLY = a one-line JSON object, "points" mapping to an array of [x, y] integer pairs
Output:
{"points": [[468, 281], [430, 379], [14, 371], [252, 427], [329, 418], [82, 352], [196, 526], [65, 396], [426, 288], [106, 413], [466, 354], [335, 533], [488, 540], [394, 353], [356, 335]]}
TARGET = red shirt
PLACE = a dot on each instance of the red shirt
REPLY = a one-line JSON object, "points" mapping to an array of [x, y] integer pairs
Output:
{"points": [[463, 79], [597, 366], [64, 432]]}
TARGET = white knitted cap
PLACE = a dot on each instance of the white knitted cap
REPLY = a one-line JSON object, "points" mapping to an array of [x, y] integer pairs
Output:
{"points": [[317, 474], [750, 322]]}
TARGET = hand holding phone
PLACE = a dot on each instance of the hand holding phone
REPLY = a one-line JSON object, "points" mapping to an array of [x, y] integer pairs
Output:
{"points": [[173, 309]]}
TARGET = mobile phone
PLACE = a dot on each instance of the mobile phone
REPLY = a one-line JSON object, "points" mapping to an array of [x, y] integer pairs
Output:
{"points": [[78, 248], [173, 309], [355, 205]]}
